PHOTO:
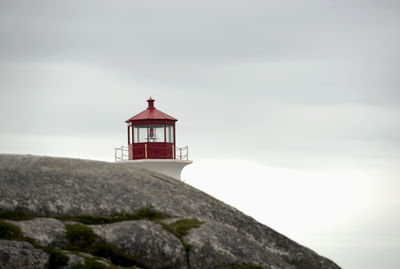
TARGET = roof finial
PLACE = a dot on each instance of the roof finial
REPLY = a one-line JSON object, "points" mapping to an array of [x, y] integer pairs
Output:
{"points": [[151, 103]]}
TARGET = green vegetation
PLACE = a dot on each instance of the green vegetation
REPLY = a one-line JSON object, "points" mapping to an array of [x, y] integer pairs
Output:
{"points": [[114, 254], [181, 228], [16, 215], [57, 258], [9, 231], [241, 266], [31, 241], [82, 238], [148, 213]]}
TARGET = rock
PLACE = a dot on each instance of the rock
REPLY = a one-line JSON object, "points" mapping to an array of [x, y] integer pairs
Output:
{"points": [[215, 244], [147, 241], [52, 187], [46, 231], [73, 259], [17, 254], [83, 256]]}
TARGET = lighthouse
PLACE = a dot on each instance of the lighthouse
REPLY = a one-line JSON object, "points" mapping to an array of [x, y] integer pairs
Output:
{"points": [[152, 143]]}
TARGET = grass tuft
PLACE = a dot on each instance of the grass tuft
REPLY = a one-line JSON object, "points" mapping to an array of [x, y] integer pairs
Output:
{"points": [[181, 227], [148, 213]]}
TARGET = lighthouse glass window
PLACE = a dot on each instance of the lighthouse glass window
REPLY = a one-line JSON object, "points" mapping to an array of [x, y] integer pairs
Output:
{"points": [[156, 133], [169, 131], [140, 133]]}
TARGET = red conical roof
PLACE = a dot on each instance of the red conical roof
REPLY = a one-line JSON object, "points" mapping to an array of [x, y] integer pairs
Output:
{"points": [[151, 113]]}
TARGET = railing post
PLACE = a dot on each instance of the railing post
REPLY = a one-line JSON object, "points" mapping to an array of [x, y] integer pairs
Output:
{"points": [[145, 151], [187, 152], [180, 153]]}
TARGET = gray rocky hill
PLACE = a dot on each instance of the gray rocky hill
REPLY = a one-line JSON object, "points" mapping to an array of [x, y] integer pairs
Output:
{"points": [[71, 213]]}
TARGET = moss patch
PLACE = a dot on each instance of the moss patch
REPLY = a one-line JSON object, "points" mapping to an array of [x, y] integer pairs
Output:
{"points": [[148, 213], [82, 238], [9, 231], [181, 228], [57, 258], [16, 215]]}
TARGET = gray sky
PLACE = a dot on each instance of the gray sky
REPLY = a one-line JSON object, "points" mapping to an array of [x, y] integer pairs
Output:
{"points": [[290, 108]]}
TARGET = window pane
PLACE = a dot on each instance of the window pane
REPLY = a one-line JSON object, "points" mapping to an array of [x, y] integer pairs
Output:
{"points": [[156, 133], [169, 133], [130, 135], [140, 133]]}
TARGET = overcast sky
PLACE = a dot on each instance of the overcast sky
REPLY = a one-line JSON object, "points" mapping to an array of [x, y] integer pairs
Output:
{"points": [[290, 108]]}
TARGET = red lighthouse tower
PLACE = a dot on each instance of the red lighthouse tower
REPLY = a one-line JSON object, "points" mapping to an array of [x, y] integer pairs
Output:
{"points": [[151, 134], [151, 143]]}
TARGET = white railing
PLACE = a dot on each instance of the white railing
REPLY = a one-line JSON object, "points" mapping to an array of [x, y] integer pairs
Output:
{"points": [[121, 154], [182, 153]]}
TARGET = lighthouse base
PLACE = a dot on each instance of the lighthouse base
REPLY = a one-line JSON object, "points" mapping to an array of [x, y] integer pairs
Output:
{"points": [[169, 167]]}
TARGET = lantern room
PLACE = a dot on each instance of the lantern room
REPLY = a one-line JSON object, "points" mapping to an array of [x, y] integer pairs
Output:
{"points": [[151, 134]]}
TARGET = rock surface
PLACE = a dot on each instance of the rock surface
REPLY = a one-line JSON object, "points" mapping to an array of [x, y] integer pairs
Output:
{"points": [[213, 244], [16, 254], [73, 259], [147, 241], [51, 187], [46, 231]]}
